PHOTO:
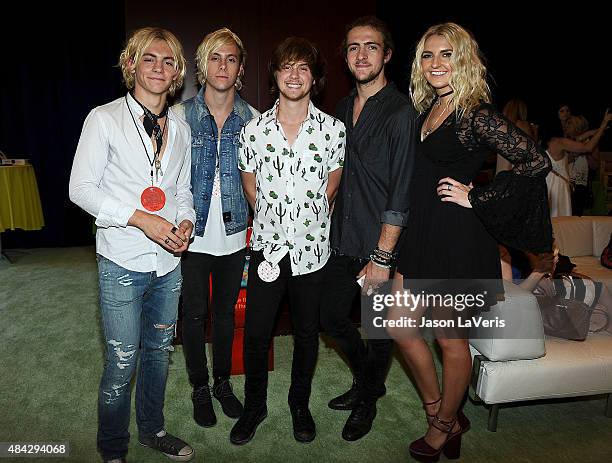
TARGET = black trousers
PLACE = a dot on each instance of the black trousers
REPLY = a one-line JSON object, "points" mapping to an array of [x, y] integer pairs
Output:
{"points": [[263, 301], [369, 362], [226, 274], [580, 199]]}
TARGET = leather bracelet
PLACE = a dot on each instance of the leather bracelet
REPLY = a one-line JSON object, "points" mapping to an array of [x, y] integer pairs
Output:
{"points": [[384, 254]]}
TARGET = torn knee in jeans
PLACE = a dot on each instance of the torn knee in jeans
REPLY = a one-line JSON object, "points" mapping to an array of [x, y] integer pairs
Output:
{"points": [[163, 327], [124, 356], [166, 342]]}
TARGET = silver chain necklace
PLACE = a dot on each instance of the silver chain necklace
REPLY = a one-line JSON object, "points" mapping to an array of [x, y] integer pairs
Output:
{"points": [[428, 132]]}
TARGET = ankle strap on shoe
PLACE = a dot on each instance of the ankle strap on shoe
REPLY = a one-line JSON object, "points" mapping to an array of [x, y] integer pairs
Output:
{"points": [[442, 425], [428, 404]]}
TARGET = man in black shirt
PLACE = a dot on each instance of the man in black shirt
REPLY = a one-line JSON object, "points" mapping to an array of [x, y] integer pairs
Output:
{"points": [[369, 213]]}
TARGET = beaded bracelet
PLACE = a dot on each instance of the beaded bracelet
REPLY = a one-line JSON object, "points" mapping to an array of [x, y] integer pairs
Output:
{"points": [[384, 263]]}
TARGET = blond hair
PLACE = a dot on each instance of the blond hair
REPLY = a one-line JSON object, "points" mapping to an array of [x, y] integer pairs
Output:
{"points": [[139, 42], [211, 43], [468, 77], [579, 124]]}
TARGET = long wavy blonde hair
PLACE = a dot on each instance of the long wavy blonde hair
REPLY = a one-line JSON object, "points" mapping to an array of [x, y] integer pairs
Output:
{"points": [[468, 76]]}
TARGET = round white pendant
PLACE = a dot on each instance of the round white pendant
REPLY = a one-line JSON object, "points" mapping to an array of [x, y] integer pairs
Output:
{"points": [[268, 272]]}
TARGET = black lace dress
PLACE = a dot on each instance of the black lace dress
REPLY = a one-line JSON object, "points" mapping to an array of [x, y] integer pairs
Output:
{"points": [[446, 241]]}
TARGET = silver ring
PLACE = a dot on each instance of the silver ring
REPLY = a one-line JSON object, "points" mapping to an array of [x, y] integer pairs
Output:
{"points": [[449, 187]]}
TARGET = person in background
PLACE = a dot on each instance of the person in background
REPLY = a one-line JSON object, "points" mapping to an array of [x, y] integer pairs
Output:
{"points": [[564, 113], [516, 112], [581, 147], [544, 279]]}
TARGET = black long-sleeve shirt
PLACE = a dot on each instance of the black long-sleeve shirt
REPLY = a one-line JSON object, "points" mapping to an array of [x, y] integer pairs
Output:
{"points": [[378, 165]]}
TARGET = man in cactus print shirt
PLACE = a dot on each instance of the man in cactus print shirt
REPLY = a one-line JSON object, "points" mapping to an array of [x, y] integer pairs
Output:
{"points": [[291, 161]]}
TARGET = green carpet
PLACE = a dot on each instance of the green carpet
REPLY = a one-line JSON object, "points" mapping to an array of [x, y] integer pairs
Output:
{"points": [[52, 353]]}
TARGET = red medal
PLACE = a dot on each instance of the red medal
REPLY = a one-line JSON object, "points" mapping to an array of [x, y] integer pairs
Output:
{"points": [[153, 198]]}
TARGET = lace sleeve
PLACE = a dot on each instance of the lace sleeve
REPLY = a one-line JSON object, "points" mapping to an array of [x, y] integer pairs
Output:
{"points": [[491, 129], [514, 206]]}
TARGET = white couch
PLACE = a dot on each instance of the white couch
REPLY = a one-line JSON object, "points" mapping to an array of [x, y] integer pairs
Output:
{"points": [[583, 239], [525, 364]]}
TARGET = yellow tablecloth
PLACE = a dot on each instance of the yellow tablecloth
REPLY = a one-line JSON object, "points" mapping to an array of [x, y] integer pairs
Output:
{"points": [[19, 199]]}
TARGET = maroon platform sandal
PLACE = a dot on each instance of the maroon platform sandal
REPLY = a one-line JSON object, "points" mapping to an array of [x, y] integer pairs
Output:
{"points": [[421, 451], [463, 420]]}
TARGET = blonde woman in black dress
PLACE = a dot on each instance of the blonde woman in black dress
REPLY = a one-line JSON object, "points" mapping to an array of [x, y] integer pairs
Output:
{"points": [[454, 228]]}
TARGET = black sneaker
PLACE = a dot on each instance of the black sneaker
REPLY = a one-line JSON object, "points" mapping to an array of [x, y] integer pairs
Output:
{"points": [[222, 390], [203, 412], [244, 429], [304, 429], [173, 447]]}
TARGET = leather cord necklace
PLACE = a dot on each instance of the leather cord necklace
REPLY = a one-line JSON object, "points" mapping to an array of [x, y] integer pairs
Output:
{"points": [[152, 198], [152, 128]]}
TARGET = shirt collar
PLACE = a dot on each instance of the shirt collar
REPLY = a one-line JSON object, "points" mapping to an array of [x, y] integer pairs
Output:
{"points": [[271, 115], [137, 109], [381, 94], [134, 106]]}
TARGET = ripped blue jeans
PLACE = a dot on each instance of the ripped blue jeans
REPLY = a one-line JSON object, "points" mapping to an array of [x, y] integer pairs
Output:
{"points": [[139, 313]]}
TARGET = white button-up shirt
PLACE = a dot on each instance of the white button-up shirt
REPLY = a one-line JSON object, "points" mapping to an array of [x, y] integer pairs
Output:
{"points": [[291, 212], [110, 171]]}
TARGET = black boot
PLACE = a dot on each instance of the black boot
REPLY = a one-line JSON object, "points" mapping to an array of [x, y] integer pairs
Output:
{"points": [[222, 390], [304, 429], [244, 429], [350, 398], [203, 412], [360, 421]]}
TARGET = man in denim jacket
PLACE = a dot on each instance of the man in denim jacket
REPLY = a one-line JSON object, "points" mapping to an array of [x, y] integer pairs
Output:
{"points": [[216, 116]]}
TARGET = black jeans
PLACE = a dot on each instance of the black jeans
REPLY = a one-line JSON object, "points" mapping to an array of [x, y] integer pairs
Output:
{"points": [[369, 363], [263, 301], [226, 274]]}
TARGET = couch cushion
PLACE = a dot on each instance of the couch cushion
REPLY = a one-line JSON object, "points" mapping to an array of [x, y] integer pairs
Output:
{"points": [[591, 267], [602, 227], [569, 368], [573, 235], [523, 335]]}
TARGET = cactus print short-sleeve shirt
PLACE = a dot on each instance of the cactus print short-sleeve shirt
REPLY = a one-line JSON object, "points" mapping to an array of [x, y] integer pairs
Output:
{"points": [[291, 209]]}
